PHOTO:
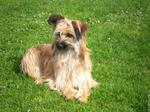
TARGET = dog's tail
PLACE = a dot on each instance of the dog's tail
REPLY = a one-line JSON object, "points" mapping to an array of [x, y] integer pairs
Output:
{"points": [[30, 64]]}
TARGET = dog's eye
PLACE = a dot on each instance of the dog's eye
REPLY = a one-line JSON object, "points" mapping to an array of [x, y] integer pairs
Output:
{"points": [[69, 35]]}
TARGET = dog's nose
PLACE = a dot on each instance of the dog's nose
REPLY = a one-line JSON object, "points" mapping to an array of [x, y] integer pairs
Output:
{"points": [[61, 45]]}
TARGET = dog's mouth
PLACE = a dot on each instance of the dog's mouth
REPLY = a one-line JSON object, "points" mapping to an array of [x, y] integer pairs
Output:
{"points": [[64, 46]]}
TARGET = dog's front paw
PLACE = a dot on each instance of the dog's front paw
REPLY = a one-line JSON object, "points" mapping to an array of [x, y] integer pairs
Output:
{"points": [[83, 99], [78, 94], [70, 93]]}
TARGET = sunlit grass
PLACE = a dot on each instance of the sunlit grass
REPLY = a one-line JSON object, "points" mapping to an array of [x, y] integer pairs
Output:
{"points": [[118, 37]]}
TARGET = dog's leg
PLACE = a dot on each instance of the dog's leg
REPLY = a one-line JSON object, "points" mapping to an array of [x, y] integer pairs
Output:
{"points": [[84, 86], [30, 65], [69, 92], [84, 92], [65, 87], [51, 84]]}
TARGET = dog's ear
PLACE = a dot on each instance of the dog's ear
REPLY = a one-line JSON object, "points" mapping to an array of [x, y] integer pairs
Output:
{"points": [[54, 18], [83, 28], [79, 31]]}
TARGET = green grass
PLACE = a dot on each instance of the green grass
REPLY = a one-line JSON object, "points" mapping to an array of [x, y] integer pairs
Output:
{"points": [[119, 39]]}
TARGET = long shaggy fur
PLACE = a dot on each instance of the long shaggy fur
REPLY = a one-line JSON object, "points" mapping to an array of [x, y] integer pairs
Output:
{"points": [[66, 70]]}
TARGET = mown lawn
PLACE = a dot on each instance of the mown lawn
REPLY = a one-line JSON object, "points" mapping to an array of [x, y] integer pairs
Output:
{"points": [[119, 39]]}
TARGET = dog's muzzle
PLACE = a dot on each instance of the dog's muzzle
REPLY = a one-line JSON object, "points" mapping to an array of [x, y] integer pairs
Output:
{"points": [[62, 45]]}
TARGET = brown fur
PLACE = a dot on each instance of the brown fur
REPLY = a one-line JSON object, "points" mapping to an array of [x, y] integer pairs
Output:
{"points": [[66, 70]]}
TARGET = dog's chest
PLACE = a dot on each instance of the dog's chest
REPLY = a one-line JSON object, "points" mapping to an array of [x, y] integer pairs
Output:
{"points": [[68, 63], [69, 70]]}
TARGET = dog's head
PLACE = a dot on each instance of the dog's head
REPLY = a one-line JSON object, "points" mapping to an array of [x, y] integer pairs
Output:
{"points": [[68, 33]]}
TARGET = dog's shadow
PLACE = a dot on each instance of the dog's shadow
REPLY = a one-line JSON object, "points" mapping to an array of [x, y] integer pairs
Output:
{"points": [[17, 64]]}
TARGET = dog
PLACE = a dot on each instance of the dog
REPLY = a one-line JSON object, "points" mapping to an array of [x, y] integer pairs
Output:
{"points": [[65, 65]]}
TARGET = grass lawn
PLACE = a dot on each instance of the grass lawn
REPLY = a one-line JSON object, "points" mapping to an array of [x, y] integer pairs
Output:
{"points": [[119, 39]]}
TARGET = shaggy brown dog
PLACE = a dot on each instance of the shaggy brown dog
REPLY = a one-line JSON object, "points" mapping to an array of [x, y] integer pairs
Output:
{"points": [[65, 65]]}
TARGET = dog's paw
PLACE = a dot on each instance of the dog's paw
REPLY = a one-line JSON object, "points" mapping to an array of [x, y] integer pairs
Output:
{"points": [[51, 84], [38, 81], [83, 99], [78, 94], [70, 95]]}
